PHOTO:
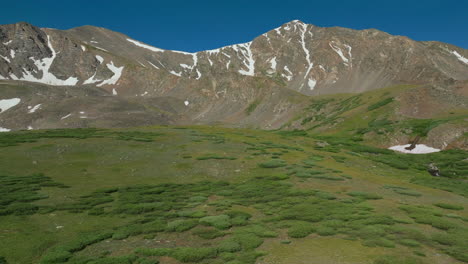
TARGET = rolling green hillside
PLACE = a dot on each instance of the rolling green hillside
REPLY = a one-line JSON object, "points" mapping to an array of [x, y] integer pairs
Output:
{"points": [[219, 195]]}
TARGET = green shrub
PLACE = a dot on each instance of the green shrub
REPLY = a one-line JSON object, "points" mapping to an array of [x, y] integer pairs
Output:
{"points": [[259, 230], [227, 256], [229, 245], [181, 225], [326, 231], [58, 255], [214, 156], [275, 163], [193, 254], [249, 257], [218, 221], [86, 240], [408, 192], [409, 243], [300, 230], [380, 103], [247, 241], [252, 107], [365, 196], [115, 260], [191, 214], [449, 206]]}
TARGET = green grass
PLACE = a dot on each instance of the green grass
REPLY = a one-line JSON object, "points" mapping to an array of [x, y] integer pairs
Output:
{"points": [[107, 196]]}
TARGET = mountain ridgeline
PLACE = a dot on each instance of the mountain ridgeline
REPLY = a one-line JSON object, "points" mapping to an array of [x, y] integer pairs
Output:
{"points": [[94, 77]]}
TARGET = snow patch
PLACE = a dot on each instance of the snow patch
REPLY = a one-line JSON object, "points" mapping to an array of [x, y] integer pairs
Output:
{"points": [[30, 128], [460, 57], [2, 129], [312, 83], [142, 45], [8, 42], [289, 77], [419, 149], [306, 51], [349, 52], [5, 58], [273, 63], [12, 54], [101, 49], [248, 61], [91, 79], [114, 92], [6, 104], [83, 48], [267, 37], [213, 51], [198, 75], [64, 117], [100, 59], [115, 78], [278, 31], [186, 103], [176, 73], [34, 109], [340, 52], [156, 67]]}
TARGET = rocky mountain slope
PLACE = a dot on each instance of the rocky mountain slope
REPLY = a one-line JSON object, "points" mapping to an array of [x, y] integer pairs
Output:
{"points": [[91, 76]]}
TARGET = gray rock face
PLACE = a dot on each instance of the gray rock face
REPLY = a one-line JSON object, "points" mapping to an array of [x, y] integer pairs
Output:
{"points": [[270, 74]]}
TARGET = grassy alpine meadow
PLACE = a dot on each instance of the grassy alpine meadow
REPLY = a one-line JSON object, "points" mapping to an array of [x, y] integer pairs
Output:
{"points": [[201, 194]]}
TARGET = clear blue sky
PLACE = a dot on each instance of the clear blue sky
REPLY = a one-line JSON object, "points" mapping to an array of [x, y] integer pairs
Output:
{"points": [[200, 25]]}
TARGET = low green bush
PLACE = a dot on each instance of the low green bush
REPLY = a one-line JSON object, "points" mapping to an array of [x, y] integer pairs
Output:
{"points": [[380, 103], [247, 241], [229, 245], [193, 254], [214, 156], [300, 230], [218, 221], [365, 196], [409, 242], [449, 206], [275, 163]]}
